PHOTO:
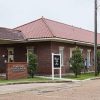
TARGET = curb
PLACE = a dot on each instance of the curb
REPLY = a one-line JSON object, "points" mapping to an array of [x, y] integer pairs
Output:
{"points": [[51, 81], [96, 78], [2, 84]]}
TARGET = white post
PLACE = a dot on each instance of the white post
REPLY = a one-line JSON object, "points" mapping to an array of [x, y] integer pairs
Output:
{"points": [[52, 67], [60, 66]]}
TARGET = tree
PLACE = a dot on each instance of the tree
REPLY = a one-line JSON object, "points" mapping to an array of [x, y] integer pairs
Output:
{"points": [[98, 61], [32, 65], [76, 61]]}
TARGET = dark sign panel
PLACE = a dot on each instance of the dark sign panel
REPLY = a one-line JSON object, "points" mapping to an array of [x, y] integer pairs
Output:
{"points": [[56, 61]]}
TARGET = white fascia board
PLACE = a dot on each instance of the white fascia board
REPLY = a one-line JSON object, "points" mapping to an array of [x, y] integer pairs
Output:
{"points": [[10, 40], [60, 40]]}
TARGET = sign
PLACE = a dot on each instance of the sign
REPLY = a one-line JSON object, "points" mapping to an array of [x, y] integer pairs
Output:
{"points": [[56, 63], [18, 68]]}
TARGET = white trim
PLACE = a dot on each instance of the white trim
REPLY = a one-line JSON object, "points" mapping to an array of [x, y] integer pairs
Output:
{"points": [[12, 55], [53, 68], [81, 50], [29, 48], [53, 39], [89, 50], [61, 51], [88, 57], [12, 40], [71, 50], [62, 40]]}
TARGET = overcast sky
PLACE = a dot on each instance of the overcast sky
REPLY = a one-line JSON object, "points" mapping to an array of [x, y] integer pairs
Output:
{"points": [[78, 13]]}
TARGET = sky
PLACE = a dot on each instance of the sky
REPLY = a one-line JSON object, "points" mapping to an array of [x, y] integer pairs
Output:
{"points": [[79, 13]]}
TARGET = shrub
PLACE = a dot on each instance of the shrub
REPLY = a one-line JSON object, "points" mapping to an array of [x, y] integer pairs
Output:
{"points": [[32, 64], [76, 61]]}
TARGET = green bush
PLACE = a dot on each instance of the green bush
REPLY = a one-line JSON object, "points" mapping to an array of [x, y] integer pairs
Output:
{"points": [[32, 64], [76, 61]]}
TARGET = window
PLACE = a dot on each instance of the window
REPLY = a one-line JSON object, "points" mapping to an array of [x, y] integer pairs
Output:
{"points": [[29, 50], [61, 51], [71, 53], [81, 51], [71, 50], [10, 55], [88, 58]]}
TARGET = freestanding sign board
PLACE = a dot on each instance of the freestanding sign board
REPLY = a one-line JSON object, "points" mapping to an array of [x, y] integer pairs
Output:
{"points": [[56, 60], [56, 63]]}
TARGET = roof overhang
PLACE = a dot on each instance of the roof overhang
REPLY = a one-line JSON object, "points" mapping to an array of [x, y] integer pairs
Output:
{"points": [[9, 41], [61, 40]]}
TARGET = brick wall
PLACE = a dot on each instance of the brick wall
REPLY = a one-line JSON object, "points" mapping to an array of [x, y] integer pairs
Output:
{"points": [[44, 51], [44, 58], [66, 68], [16, 70]]}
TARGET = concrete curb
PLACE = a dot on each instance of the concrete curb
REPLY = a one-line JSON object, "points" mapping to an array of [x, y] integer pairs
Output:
{"points": [[2, 84], [57, 80]]}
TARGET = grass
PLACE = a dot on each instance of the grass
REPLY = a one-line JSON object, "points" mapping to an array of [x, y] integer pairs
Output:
{"points": [[35, 79], [38, 79], [82, 76]]}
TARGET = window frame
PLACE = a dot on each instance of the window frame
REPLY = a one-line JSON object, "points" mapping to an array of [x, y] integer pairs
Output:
{"points": [[10, 56], [88, 57], [29, 48], [61, 51]]}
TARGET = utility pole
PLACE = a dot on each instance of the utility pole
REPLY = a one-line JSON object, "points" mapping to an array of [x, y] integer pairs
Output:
{"points": [[95, 36]]}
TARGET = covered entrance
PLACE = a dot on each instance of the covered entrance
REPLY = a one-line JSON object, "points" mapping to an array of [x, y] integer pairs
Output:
{"points": [[13, 64]]}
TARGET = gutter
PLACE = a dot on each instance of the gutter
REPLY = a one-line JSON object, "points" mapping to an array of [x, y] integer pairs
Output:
{"points": [[61, 40]]}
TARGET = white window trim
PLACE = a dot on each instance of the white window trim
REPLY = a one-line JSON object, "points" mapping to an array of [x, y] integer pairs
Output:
{"points": [[12, 56], [71, 50], [81, 51], [89, 58], [29, 49], [62, 55]]}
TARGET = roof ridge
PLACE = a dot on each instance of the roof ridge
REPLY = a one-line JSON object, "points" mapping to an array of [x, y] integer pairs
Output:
{"points": [[24, 37], [43, 19]]}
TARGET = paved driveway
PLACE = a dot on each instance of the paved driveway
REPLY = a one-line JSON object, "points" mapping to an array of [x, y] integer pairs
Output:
{"points": [[88, 90]]}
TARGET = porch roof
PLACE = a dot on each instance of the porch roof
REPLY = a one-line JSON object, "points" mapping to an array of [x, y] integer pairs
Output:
{"points": [[10, 35]]}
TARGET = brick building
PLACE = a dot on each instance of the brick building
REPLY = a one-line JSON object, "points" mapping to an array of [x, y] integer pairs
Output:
{"points": [[44, 37]]}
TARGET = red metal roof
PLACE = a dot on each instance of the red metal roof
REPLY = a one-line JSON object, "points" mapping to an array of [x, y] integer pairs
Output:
{"points": [[45, 28]]}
